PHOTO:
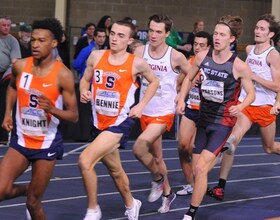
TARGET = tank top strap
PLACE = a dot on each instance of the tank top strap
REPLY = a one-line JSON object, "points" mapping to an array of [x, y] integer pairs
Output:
{"points": [[28, 65]]}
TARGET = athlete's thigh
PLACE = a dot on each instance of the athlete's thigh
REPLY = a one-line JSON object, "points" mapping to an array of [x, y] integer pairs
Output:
{"points": [[243, 124], [41, 173], [268, 134], [152, 132], [12, 165], [187, 131], [103, 144]]}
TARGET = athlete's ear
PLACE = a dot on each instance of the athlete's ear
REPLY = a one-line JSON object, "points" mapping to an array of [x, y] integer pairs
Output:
{"points": [[271, 35], [131, 39], [232, 39], [54, 43]]}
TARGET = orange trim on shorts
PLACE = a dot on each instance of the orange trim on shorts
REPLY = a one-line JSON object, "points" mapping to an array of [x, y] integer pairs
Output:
{"points": [[165, 119], [259, 114]]}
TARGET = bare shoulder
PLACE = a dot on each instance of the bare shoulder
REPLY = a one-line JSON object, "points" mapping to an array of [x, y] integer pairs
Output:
{"points": [[249, 48], [65, 77], [240, 67], [139, 51], [95, 56], [18, 66], [273, 56]]}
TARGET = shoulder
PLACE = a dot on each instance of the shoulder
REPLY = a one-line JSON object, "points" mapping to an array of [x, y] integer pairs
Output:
{"points": [[139, 51], [240, 67], [95, 56], [249, 48], [273, 55]]}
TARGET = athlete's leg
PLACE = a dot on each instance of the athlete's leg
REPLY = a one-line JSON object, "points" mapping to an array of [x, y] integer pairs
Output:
{"points": [[204, 161], [148, 149], [103, 144], [242, 125], [187, 132], [12, 165], [268, 135], [113, 163], [41, 173]]}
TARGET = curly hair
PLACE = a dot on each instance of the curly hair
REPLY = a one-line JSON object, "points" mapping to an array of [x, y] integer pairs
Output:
{"points": [[235, 24], [51, 24]]}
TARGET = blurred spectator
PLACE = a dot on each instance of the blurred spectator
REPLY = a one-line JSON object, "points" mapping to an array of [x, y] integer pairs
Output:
{"points": [[105, 22], [24, 40], [136, 43], [85, 40], [9, 52], [198, 26], [79, 63], [277, 44], [63, 50]]}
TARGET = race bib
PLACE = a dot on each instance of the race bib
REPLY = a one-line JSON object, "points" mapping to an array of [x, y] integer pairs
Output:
{"points": [[34, 121], [194, 97], [213, 90], [107, 102], [144, 86]]}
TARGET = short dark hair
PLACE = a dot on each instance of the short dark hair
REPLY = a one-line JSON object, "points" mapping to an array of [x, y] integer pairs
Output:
{"points": [[89, 24], [162, 19], [51, 24], [98, 30], [206, 35]]}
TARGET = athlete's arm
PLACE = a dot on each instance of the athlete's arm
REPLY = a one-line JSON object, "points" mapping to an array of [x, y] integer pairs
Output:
{"points": [[85, 94], [273, 60], [242, 71], [276, 107], [187, 83], [66, 84], [141, 67]]}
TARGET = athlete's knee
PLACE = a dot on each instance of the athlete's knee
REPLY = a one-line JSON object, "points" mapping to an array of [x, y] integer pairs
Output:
{"points": [[33, 202], [84, 162], [140, 148], [5, 192], [185, 155]]}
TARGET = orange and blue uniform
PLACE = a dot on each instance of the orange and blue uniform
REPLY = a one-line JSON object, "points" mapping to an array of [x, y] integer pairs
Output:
{"points": [[113, 89], [35, 130]]}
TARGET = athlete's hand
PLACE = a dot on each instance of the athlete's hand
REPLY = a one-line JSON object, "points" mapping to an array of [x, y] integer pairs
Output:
{"points": [[180, 107], [275, 109], [7, 123], [85, 96], [136, 111], [45, 103], [234, 110]]}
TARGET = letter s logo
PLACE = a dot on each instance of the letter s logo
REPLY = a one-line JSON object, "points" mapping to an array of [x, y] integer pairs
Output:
{"points": [[33, 101], [110, 82]]}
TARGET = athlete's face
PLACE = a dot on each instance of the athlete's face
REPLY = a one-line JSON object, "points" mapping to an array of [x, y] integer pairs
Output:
{"points": [[157, 33], [262, 33], [222, 37], [200, 44], [42, 43], [120, 37]]}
